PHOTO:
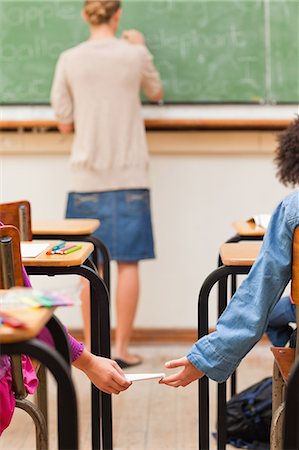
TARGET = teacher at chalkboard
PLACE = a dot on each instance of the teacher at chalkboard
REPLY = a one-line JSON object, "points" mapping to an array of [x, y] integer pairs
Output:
{"points": [[95, 92]]}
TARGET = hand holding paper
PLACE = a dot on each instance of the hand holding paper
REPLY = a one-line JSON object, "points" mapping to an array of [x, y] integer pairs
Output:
{"points": [[185, 376]]}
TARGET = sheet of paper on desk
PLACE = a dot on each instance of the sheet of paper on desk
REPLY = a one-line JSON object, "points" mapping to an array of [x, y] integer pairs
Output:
{"points": [[32, 250], [262, 220]]}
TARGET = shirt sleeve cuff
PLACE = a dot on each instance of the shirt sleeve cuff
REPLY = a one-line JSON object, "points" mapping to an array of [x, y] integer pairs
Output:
{"points": [[205, 358]]}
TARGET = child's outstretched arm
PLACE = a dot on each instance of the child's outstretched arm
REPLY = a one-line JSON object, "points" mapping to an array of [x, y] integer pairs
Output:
{"points": [[246, 317]]}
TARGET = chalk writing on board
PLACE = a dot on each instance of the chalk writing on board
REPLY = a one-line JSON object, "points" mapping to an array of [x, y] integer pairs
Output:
{"points": [[36, 13], [205, 50]]}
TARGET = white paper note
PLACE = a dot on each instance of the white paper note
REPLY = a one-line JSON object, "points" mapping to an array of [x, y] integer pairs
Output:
{"points": [[32, 250], [144, 376], [262, 220]]}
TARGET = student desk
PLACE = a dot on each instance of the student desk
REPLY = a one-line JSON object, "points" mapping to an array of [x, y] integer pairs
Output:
{"points": [[75, 230], [78, 263], [239, 254], [247, 229], [18, 341], [237, 258], [35, 319]]}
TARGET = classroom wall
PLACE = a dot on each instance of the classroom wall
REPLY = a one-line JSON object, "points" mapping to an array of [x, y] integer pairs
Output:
{"points": [[195, 198]]}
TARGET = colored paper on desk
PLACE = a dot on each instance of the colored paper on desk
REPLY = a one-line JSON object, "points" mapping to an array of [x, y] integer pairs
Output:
{"points": [[32, 249], [34, 298]]}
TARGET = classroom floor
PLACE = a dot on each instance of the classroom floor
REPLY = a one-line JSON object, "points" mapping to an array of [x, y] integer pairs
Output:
{"points": [[148, 416]]}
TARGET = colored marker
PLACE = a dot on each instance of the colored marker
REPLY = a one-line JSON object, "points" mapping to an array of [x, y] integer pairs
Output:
{"points": [[58, 251], [56, 247], [73, 249], [64, 249]]}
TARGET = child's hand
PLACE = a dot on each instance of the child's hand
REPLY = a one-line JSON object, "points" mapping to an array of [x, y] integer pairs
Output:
{"points": [[188, 374], [104, 373], [134, 37]]}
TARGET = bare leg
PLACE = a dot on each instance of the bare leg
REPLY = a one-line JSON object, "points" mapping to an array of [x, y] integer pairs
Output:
{"points": [[127, 294]]}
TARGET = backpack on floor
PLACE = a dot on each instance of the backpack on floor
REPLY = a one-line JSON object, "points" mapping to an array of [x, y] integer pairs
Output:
{"points": [[249, 416]]}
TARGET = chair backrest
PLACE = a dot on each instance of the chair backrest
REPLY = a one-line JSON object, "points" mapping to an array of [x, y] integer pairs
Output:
{"points": [[295, 281], [11, 275], [10, 258], [18, 214]]}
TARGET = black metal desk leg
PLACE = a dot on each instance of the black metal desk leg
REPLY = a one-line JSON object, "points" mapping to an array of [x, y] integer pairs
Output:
{"points": [[100, 310], [67, 404], [233, 379], [203, 299], [203, 400], [221, 416], [106, 259], [60, 339], [204, 420], [100, 345], [221, 388]]}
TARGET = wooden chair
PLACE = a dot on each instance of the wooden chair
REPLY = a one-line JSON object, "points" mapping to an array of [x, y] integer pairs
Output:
{"points": [[18, 214], [11, 275], [284, 359]]}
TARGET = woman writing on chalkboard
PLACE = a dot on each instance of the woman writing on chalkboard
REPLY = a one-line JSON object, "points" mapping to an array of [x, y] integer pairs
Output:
{"points": [[96, 93]]}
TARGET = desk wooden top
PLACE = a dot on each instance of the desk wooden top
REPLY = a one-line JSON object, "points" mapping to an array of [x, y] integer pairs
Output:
{"points": [[65, 226], [72, 259], [239, 254], [248, 228], [35, 319]]}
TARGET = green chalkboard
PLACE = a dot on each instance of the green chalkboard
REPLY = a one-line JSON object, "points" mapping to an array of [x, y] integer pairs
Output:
{"points": [[206, 50], [284, 51]]}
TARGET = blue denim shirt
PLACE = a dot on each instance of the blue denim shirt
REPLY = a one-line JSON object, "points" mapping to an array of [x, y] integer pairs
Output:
{"points": [[245, 319]]}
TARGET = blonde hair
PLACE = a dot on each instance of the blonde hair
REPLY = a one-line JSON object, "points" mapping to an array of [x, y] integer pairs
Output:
{"points": [[100, 11]]}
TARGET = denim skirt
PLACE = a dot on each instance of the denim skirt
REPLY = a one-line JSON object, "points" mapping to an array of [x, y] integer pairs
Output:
{"points": [[125, 217]]}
